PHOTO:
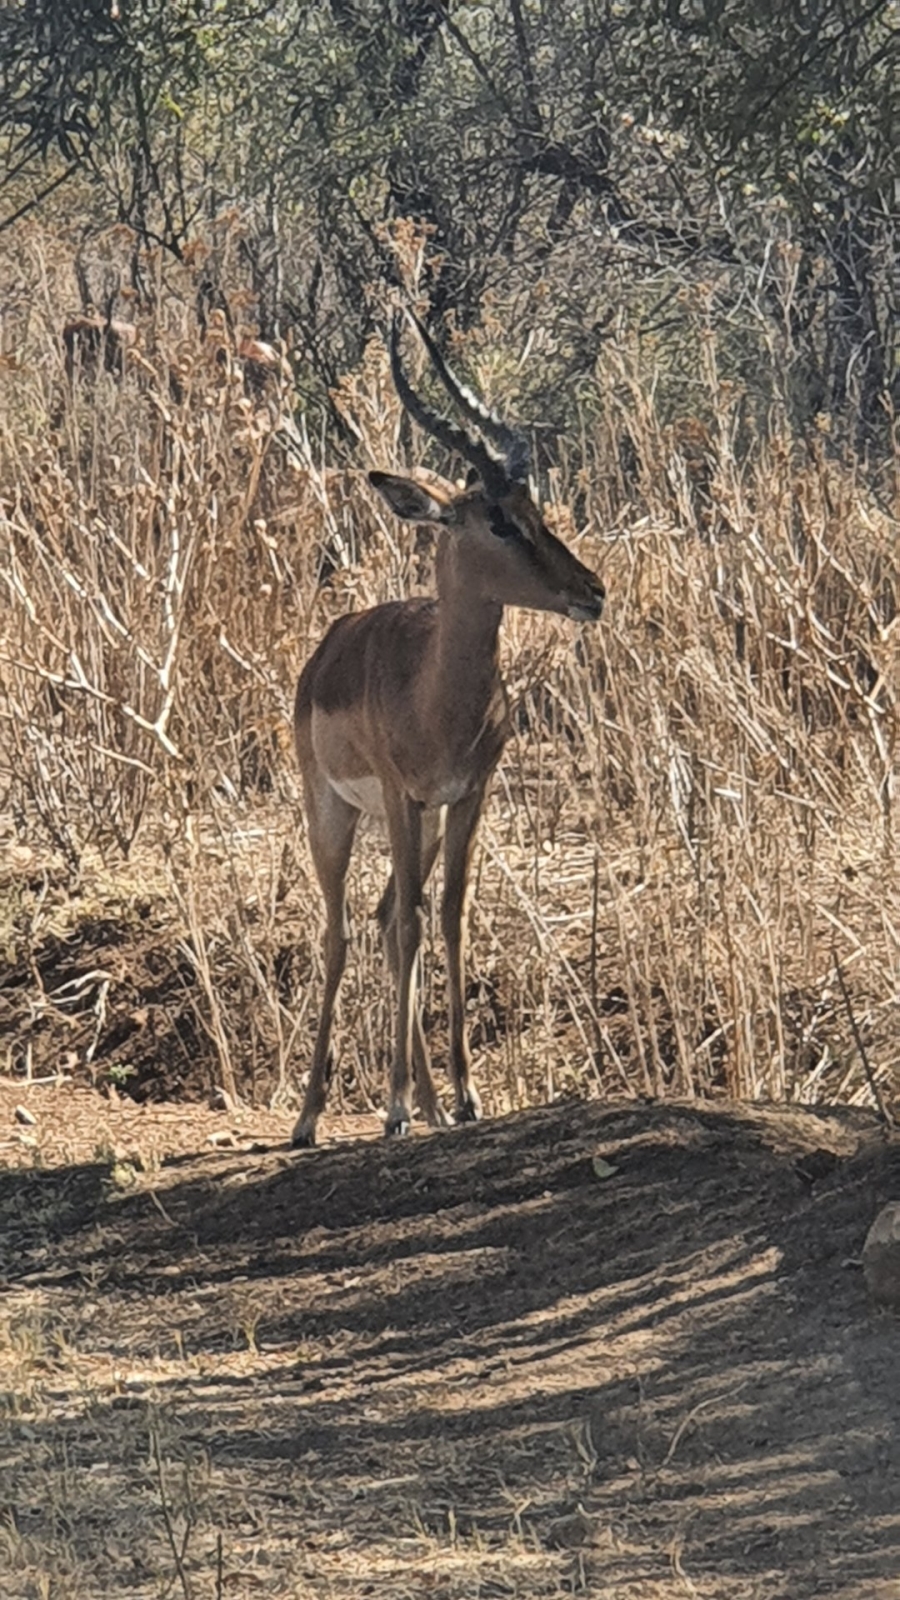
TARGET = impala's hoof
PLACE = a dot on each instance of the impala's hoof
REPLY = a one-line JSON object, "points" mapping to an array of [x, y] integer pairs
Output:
{"points": [[398, 1125], [303, 1138], [469, 1108]]}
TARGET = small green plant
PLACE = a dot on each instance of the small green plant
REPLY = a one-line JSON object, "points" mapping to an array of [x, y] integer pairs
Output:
{"points": [[119, 1073]]}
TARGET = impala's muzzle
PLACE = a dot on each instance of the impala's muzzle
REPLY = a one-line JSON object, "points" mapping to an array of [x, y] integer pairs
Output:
{"points": [[590, 607]]}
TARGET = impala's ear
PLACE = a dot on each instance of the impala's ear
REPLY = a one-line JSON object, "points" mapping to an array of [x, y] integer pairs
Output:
{"points": [[408, 500]]}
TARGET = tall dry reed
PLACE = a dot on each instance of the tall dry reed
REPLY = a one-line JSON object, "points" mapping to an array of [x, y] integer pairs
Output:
{"points": [[686, 879]]}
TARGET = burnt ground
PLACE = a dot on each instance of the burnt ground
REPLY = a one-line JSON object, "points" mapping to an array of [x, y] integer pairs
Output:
{"points": [[624, 1351]]}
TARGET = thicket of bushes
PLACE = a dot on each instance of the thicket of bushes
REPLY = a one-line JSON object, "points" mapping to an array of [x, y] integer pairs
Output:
{"points": [[665, 238], [686, 881]]}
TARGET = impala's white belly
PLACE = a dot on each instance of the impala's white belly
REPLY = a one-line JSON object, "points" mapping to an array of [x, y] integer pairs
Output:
{"points": [[366, 794], [339, 759]]}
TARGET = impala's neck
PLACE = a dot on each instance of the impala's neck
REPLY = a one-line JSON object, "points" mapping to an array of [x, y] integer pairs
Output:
{"points": [[463, 678]]}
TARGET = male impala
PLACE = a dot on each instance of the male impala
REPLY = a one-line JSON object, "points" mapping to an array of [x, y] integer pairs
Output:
{"points": [[401, 712]]}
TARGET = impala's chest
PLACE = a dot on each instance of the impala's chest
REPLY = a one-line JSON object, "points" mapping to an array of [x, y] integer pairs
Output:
{"points": [[448, 791]]}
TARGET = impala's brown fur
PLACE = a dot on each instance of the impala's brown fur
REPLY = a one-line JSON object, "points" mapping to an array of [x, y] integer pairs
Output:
{"points": [[402, 712]]}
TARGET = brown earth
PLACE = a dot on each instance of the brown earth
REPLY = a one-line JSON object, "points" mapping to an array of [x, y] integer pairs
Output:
{"points": [[113, 989], [622, 1351]]}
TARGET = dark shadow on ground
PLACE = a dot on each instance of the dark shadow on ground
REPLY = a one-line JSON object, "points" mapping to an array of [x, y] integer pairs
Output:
{"points": [[679, 1350]]}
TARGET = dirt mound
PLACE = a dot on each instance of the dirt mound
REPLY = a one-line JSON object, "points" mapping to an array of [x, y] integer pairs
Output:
{"points": [[603, 1350], [113, 999]]}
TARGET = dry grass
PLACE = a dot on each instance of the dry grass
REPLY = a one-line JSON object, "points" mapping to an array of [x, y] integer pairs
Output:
{"points": [[686, 881]]}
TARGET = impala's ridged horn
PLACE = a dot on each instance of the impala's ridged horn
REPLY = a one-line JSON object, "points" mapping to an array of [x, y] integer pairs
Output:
{"points": [[497, 476], [514, 446]]}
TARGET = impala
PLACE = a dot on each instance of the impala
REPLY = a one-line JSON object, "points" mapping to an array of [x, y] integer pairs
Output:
{"points": [[90, 341], [401, 712]]}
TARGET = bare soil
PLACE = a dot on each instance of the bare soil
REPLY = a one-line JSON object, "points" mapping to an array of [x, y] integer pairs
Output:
{"points": [[112, 988], [623, 1351]]}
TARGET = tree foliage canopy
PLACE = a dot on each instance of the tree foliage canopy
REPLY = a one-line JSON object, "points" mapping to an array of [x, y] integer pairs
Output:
{"points": [[598, 154]]}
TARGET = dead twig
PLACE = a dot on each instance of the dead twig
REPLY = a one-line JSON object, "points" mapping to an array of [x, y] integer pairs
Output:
{"points": [[884, 1110]]}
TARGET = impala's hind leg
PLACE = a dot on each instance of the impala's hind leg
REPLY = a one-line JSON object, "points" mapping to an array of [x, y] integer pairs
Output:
{"points": [[332, 826], [430, 1105]]}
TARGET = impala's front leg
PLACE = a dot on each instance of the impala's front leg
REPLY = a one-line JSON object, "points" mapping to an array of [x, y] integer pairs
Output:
{"points": [[462, 821], [404, 820]]}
